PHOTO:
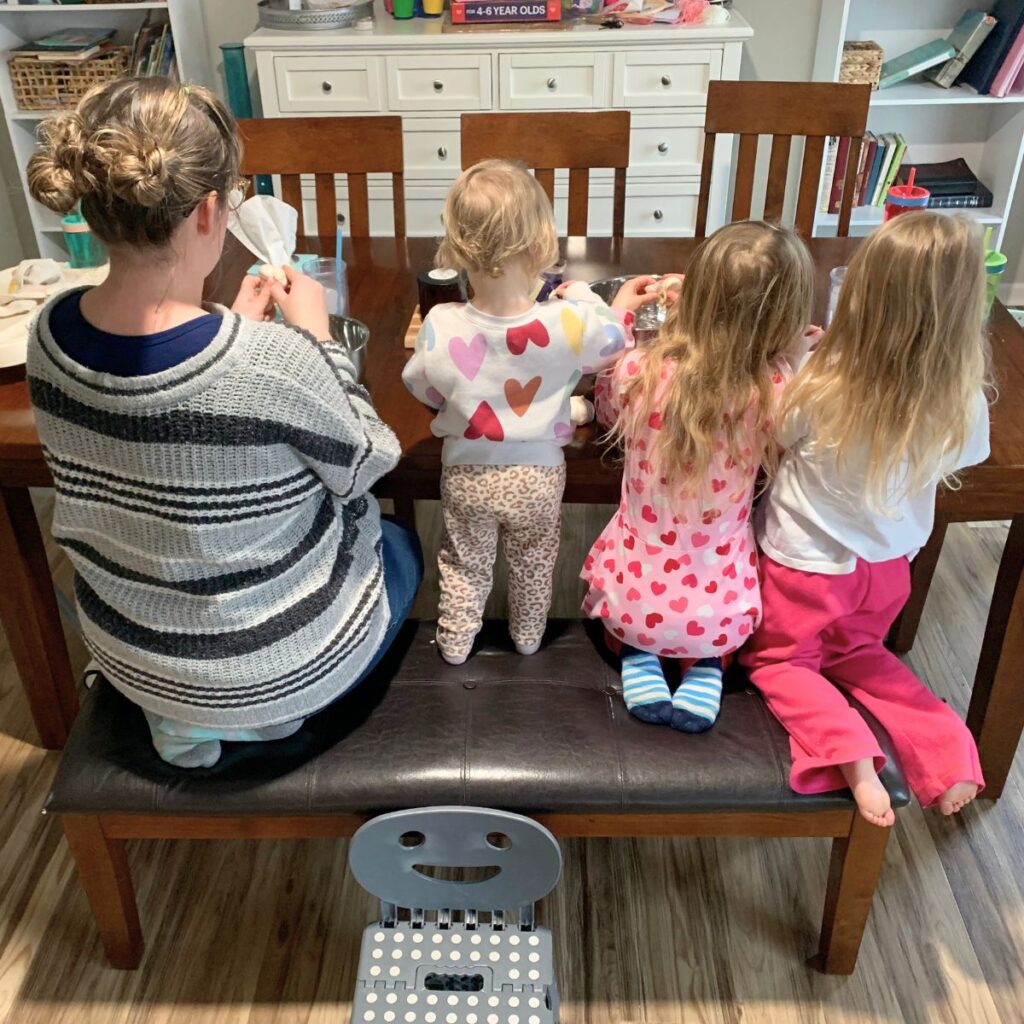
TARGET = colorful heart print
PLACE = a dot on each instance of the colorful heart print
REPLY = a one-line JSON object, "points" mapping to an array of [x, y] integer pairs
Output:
{"points": [[571, 386], [468, 357], [617, 340], [435, 397], [484, 423], [517, 338], [427, 335], [519, 396], [572, 328]]}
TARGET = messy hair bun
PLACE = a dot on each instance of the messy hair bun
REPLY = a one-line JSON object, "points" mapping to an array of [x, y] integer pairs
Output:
{"points": [[139, 154]]}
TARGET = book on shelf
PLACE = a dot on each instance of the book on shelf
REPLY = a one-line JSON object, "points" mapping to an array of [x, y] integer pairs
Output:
{"points": [[464, 12], [921, 58], [983, 67], [970, 32], [869, 148], [952, 184], [835, 196], [874, 170], [70, 46], [1009, 70], [829, 169], [899, 148], [888, 146]]}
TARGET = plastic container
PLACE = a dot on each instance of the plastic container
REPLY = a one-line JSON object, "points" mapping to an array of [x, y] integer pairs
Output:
{"points": [[403, 9], [904, 198], [836, 277], [335, 284], [995, 267], [433, 8], [84, 248]]}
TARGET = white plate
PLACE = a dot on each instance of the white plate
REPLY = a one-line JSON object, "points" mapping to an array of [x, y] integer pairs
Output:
{"points": [[14, 329]]}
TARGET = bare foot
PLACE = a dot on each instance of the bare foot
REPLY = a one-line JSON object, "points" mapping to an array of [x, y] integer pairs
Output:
{"points": [[872, 799], [958, 796]]}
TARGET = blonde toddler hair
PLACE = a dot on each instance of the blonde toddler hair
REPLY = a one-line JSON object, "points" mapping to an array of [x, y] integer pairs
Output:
{"points": [[139, 154], [495, 212], [747, 298], [898, 371]]}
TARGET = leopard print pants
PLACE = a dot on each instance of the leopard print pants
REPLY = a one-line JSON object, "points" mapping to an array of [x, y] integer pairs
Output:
{"points": [[524, 505]]}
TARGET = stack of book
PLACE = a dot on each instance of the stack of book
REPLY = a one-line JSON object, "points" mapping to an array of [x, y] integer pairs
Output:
{"points": [[880, 159], [953, 185], [69, 45], [483, 12], [153, 51], [995, 70]]}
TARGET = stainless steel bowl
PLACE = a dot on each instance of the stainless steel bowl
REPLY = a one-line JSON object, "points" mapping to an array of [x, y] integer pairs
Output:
{"points": [[649, 317], [275, 14], [351, 335]]}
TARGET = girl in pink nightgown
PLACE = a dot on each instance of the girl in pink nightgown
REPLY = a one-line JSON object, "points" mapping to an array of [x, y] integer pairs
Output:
{"points": [[674, 573]]}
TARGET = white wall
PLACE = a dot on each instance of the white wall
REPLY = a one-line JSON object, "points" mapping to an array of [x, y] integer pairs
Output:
{"points": [[227, 21]]}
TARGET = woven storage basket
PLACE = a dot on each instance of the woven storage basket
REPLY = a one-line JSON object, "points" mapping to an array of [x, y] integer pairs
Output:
{"points": [[47, 85], [861, 63]]}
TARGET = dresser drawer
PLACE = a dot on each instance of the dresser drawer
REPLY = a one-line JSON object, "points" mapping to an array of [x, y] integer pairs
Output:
{"points": [[432, 147], [328, 83], [665, 78], [572, 81], [456, 82], [662, 209], [666, 144]]}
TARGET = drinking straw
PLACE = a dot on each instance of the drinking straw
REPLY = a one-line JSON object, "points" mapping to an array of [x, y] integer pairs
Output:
{"points": [[988, 238], [911, 176], [339, 238]]}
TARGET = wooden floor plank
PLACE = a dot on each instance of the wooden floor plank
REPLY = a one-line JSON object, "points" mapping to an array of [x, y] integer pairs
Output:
{"points": [[658, 931]]}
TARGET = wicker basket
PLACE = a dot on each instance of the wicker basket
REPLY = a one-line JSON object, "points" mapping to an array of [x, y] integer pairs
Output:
{"points": [[862, 63], [47, 85]]}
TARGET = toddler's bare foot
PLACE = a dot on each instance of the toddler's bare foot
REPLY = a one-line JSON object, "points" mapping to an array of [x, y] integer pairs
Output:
{"points": [[958, 796], [872, 799]]}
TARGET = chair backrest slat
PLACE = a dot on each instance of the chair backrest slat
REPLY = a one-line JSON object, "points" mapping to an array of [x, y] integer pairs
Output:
{"points": [[813, 110], [549, 141], [324, 147]]}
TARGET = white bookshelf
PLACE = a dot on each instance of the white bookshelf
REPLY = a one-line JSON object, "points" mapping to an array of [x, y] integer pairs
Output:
{"points": [[20, 23], [938, 124]]}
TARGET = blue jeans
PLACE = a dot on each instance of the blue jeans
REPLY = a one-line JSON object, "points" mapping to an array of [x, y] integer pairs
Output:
{"points": [[403, 570]]}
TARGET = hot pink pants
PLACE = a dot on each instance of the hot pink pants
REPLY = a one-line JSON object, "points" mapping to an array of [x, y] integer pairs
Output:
{"points": [[821, 637]]}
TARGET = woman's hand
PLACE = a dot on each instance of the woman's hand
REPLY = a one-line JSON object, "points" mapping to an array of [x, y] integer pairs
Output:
{"points": [[634, 294], [253, 300], [302, 303]]}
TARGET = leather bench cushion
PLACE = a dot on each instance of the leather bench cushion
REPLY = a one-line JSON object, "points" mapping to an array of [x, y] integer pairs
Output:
{"points": [[541, 734]]}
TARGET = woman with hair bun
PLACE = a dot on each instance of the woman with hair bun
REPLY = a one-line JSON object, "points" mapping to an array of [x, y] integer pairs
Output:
{"points": [[213, 469]]}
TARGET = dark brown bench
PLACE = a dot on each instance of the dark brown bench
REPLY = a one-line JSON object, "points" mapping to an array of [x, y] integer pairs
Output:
{"points": [[546, 736]]}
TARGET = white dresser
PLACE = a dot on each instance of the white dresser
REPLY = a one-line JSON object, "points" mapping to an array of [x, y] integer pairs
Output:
{"points": [[430, 77]]}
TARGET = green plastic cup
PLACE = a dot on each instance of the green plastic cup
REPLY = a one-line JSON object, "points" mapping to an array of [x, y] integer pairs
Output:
{"points": [[995, 267]]}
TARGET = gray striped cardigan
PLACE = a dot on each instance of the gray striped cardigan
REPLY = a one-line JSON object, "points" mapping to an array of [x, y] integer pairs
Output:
{"points": [[218, 516]]}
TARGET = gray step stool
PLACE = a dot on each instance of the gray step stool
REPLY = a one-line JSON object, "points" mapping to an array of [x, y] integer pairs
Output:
{"points": [[455, 952]]}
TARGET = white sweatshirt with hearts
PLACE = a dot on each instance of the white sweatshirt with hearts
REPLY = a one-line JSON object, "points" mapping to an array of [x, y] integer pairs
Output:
{"points": [[501, 384]]}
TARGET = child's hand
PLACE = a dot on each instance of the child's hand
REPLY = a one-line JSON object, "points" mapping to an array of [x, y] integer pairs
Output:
{"points": [[253, 300], [805, 343], [302, 304], [633, 294]]}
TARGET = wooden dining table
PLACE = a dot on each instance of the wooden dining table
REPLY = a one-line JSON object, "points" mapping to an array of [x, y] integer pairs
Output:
{"points": [[382, 287]]}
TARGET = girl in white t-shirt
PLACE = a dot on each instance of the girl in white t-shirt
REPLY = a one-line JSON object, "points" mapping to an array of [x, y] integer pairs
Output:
{"points": [[891, 403]]}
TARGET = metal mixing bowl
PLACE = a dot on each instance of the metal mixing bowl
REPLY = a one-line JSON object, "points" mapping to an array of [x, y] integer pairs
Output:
{"points": [[649, 317], [352, 335]]}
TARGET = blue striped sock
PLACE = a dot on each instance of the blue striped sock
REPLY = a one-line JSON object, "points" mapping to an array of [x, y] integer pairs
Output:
{"points": [[696, 703], [644, 688]]}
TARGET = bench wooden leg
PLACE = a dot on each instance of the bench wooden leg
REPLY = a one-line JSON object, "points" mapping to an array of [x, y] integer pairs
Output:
{"points": [[852, 877], [922, 569], [996, 712], [103, 868]]}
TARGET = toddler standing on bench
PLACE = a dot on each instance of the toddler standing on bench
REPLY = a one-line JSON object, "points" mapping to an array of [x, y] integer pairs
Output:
{"points": [[500, 370]]}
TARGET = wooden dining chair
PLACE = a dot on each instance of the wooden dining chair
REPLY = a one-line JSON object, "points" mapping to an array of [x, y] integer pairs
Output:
{"points": [[324, 147], [553, 141], [814, 110]]}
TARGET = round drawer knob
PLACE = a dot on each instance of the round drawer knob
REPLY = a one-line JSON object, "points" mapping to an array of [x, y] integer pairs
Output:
{"points": [[438, 85], [341, 218], [442, 153], [666, 80], [327, 87], [662, 147], [552, 83], [658, 214]]}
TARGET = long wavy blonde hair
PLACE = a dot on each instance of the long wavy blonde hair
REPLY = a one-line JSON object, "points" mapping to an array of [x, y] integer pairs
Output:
{"points": [[897, 374], [746, 299]]}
